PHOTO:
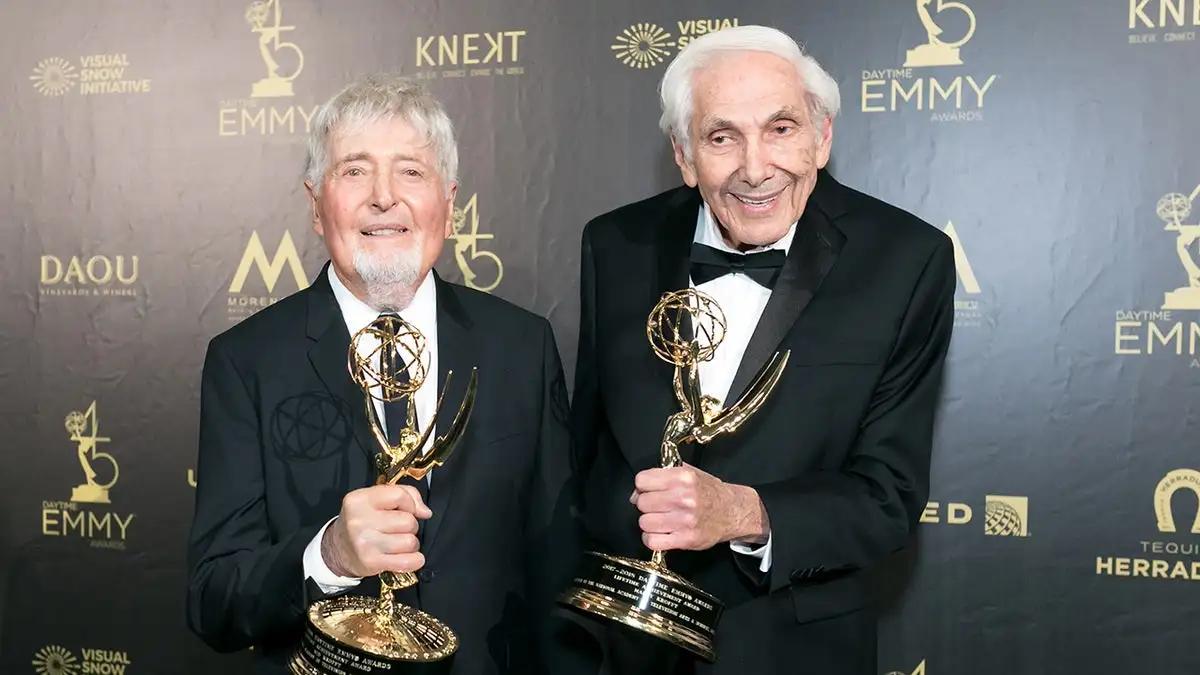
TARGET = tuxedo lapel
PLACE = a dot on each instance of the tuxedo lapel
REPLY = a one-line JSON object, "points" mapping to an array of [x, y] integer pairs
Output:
{"points": [[814, 250], [329, 356], [675, 244], [674, 258], [456, 357]]}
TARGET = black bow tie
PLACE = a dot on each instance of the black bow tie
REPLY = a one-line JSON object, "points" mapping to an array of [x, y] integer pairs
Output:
{"points": [[709, 263]]}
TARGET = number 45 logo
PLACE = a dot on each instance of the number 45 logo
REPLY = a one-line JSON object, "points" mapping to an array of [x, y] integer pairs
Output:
{"points": [[937, 51]]}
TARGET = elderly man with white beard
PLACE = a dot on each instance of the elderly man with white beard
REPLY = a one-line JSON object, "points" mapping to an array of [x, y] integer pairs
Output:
{"points": [[288, 511]]}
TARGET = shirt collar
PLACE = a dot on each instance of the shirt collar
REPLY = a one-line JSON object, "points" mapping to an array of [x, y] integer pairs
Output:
{"points": [[709, 234], [421, 312]]}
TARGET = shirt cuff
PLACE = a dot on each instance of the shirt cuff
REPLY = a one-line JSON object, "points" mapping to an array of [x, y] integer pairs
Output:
{"points": [[763, 553], [316, 569]]}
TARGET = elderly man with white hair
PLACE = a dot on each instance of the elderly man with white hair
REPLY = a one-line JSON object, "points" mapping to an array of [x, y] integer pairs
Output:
{"points": [[288, 511], [781, 519]]}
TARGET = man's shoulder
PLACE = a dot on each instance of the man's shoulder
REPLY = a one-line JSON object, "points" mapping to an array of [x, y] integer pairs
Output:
{"points": [[873, 217], [268, 328], [499, 314], [638, 218]]}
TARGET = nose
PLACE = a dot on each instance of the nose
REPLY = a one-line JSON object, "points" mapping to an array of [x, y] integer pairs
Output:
{"points": [[756, 164], [383, 197]]}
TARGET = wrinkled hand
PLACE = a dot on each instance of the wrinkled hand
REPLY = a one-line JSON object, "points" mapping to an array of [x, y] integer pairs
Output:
{"points": [[375, 532], [686, 508]]}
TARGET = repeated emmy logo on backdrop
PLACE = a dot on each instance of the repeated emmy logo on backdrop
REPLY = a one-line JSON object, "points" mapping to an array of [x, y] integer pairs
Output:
{"points": [[934, 76], [99, 275], [1170, 327], [646, 45], [87, 514], [919, 670], [270, 108], [91, 75], [1156, 22], [460, 55], [58, 660], [1003, 515], [1175, 552]]}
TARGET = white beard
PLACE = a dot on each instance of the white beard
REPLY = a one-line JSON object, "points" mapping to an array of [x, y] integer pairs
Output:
{"points": [[392, 279]]}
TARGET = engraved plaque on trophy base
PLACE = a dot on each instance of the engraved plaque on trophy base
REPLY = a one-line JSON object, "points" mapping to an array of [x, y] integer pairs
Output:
{"points": [[649, 598], [349, 635]]}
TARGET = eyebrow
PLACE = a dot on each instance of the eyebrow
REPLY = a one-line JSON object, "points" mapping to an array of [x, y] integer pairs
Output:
{"points": [[788, 112], [713, 124], [361, 156]]}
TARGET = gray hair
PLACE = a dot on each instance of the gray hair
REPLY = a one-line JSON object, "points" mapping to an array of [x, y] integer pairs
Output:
{"points": [[675, 90], [375, 98]]}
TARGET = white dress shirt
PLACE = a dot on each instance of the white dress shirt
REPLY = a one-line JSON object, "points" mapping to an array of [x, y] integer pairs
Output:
{"points": [[422, 314], [742, 300]]}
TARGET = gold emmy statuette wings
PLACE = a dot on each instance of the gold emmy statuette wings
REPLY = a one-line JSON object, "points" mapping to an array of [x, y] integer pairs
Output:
{"points": [[444, 445], [378, 634]]}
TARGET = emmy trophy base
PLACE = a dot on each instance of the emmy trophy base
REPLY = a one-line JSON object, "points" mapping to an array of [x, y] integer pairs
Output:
{"points": [[932, 55], [345, 636], [649, 598], [1183, 298], [92, 494], [269, 88]]}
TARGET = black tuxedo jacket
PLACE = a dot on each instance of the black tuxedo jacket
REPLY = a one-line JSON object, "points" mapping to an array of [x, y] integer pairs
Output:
{"points": [[284, 436], [839, 454]]}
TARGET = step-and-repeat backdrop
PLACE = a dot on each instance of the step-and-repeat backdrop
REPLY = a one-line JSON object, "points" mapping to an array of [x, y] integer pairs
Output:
{"points": [[152, 197]]}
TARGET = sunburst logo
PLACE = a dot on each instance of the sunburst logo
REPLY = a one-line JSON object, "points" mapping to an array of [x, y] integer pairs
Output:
{"points": [[53, 76], [643, 45], [55, 660]]}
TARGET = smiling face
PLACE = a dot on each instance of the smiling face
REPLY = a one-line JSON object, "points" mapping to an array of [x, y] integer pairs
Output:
{"points": [[383, 210], [755, 151]]}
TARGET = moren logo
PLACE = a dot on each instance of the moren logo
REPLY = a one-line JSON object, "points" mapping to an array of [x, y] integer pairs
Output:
{"points": [[95, 275], [56, 660], [919, 670], [948, 99], [96, 74], [646, 45], [1004, 516], [968, 311], [1184, 552], [270, 269], [249, 117], [1163, 21], [489, 54], [1144, 332], [483, 276], [104, 529]]}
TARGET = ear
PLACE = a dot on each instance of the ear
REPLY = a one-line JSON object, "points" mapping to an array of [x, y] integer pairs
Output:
{"points": [[451, 193], [826, 143], [685, 165], [317, 225]]}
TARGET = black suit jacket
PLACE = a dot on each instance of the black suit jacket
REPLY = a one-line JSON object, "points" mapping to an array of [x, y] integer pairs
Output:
{"points": [[284, 436], [839, 454]]}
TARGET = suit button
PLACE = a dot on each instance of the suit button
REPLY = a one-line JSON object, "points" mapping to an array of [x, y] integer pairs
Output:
{"points": [[425, 576]]}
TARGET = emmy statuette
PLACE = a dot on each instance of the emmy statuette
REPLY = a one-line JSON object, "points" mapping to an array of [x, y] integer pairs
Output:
{"points": [[355, 634], [647, 596]]}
